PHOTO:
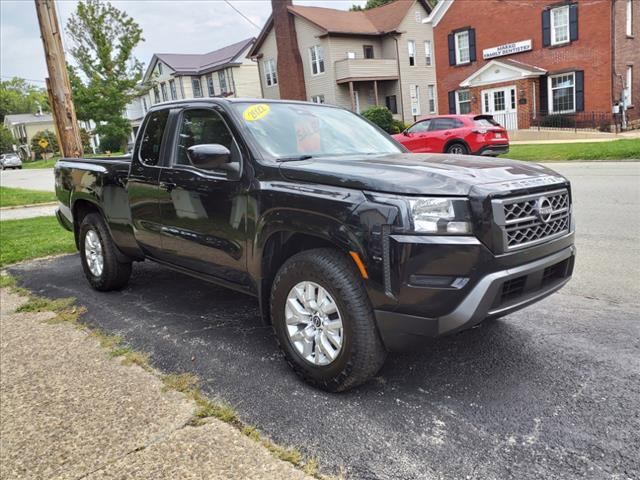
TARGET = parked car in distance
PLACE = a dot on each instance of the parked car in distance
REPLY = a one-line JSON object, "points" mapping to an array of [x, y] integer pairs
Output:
{"points": [[458, 134], [10, 160], [352, 246]]}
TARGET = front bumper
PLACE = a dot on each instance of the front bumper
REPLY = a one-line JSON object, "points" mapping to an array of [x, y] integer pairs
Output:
{"points": [[493, 295]]}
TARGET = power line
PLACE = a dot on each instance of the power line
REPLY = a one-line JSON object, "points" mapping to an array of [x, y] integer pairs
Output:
{"points": [[243, 15]]}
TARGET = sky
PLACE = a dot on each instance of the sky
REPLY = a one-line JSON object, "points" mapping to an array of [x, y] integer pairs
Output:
{"points": [[168, 27]]}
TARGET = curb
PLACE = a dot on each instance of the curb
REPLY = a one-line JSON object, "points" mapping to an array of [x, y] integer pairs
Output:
{"points": [[30, 205]]}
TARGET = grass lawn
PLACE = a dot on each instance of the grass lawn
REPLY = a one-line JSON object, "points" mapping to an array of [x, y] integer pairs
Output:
{"points": [[41, 163], [616, 150], [52, 161], [10, 197], [32, 238]]}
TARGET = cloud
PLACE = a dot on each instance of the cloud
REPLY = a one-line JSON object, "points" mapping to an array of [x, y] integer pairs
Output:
{"points": [[168, 27]]}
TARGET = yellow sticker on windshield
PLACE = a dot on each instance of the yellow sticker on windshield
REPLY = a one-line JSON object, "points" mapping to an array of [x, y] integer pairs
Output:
{"points": [[256, 112]]}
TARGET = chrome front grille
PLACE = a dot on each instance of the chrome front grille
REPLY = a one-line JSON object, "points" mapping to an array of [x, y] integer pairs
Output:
{"points": [[531, 219]]}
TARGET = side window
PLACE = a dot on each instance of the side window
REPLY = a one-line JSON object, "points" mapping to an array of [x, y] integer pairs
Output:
{"points": [[442, 124], [199, 127], [420, 127], [152, 139]]}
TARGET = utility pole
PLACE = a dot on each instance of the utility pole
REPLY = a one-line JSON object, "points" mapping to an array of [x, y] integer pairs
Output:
{"points": [[58, 86]]}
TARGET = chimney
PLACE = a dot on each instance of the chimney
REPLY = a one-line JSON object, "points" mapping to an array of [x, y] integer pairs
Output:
{"points": [[290, 73]]}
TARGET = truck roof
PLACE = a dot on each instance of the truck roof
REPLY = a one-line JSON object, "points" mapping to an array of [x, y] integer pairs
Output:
{"points": [[220, 100]]}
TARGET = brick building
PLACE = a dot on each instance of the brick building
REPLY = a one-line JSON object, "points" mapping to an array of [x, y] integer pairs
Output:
{"points": [[544, 63]]}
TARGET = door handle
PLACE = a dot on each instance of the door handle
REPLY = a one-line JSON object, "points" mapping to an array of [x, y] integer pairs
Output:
{"points": [[167, 186]]}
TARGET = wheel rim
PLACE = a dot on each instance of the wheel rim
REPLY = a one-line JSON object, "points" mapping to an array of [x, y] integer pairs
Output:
{"points": [[314, 323], [456, 149], [93, 253]]}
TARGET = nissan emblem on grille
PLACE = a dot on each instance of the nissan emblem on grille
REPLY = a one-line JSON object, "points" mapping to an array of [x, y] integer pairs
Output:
{"points": [[543, 209], [527, 220]]}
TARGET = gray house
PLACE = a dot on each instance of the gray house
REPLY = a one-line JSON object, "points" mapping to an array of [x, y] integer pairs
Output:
{"points": [[381, 56]]}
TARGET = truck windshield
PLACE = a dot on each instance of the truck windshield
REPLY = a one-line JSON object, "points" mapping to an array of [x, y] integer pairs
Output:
{"points": [[298, 131]]}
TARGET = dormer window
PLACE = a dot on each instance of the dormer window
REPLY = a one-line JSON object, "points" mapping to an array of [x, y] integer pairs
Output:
{"points": [[159, 68]]}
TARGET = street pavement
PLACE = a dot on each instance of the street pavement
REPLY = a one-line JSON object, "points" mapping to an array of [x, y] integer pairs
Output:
{"points": [[552, 391], [32, 179]]}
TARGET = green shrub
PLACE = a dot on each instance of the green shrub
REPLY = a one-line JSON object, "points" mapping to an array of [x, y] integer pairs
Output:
{"points": [[398, 126], [381, 116]]}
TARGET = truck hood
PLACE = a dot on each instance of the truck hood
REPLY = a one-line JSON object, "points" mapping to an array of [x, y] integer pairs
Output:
{"points": [[410, 173]]}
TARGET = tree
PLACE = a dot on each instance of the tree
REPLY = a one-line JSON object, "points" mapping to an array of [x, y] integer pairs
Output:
{"points": [[6, 140], [19, 96], [103, 42], [51, 143]]}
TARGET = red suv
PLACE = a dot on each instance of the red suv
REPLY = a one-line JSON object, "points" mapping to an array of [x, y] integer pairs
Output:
{"points": [[459, 134]]}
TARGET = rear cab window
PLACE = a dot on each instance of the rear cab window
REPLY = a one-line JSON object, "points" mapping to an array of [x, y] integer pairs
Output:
{"points": [[151, 143]]}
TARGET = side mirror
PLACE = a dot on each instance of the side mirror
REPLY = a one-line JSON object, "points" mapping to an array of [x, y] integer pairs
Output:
{"points": [[209, 156], [406, 133]]}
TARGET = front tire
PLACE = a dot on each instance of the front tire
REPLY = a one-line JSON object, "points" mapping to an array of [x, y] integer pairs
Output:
{"points": [[324, 321], [100, 262]]}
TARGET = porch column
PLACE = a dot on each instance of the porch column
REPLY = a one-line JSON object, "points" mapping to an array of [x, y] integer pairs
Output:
{"points": [[375, 91], [353, 103]]}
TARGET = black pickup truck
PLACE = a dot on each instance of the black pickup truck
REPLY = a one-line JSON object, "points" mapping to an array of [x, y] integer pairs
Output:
{"points": [[353, 246]]}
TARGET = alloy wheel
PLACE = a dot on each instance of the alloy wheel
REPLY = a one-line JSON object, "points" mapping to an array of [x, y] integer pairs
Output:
{"points": [[314, 323]]}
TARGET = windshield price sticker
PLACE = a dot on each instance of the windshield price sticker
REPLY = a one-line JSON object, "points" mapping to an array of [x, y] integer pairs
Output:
{"points": [[256, 112]]}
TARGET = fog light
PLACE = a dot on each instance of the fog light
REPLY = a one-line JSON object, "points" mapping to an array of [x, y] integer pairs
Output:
{"points": [[458, 227]]}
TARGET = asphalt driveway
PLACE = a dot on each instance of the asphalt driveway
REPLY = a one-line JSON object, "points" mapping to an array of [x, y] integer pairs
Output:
{"points": [[29, 178], [552, 391]]}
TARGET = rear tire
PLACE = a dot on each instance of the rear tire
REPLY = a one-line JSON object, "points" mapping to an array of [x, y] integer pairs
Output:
{"points": [[361, 352], [457, 148], [99, 258]]}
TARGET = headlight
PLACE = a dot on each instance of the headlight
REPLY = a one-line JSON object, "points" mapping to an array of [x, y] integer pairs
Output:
{"points": [[439, 215]]}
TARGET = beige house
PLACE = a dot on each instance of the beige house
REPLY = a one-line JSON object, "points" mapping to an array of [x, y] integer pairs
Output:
{"points": [[226, 72], [381, 56]]}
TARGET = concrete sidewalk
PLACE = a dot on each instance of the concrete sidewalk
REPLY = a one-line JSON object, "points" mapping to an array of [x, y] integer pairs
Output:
{"points": [[28, 211], [68, 410]]}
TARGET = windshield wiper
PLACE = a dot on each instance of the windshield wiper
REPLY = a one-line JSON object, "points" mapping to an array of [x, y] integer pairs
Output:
{"points": [[294, 159]]}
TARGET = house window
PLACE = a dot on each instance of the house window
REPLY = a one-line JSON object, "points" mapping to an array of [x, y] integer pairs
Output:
{"points": [[431, 91], [368, 51], [629, 17], [418, 15], [351, 55], [222, 78], [197, 88], [411, 46], [210, 88], [172, 90], [462, 47], [560, 25], [427, 52], [316, 55], [163, 89], [628, 84], [145, 107], [270, 75], [463, 102], [159, 68], [392, 103], [317, 99], [414, 93], [156, 95], [563, 93]]}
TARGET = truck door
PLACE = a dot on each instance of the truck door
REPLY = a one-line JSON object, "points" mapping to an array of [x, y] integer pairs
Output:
{"points": [[143, 183], [204, 210]]}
